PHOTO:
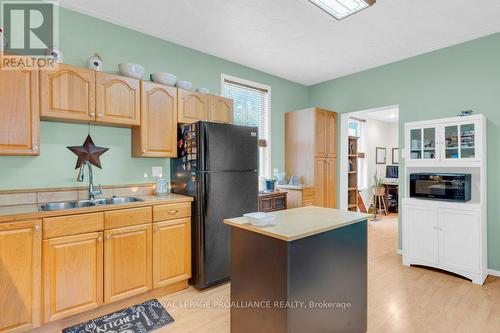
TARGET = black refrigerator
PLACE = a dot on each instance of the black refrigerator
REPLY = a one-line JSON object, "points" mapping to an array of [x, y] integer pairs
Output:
{"points": [[217, 166]]}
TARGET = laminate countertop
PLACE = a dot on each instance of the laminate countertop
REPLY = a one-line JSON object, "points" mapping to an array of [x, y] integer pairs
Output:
{"points": [[32, 211], [298, 223]]}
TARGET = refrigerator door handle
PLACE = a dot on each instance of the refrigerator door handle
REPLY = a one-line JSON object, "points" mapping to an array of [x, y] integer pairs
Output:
{"points": [[205, 194]]}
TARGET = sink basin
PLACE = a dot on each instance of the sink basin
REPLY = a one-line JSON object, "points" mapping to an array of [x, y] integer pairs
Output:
{"points": [[66, 205], [87, 203], [122, 200]]}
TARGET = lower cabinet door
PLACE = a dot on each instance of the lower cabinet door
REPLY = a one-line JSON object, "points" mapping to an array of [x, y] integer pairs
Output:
{"points": [[330, 183], [171, 252], [20, 261], [72, 275], [421, 234], [459, 239], [320, 178], [127, 262]]}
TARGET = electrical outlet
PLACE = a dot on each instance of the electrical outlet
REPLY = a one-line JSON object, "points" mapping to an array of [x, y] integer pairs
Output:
{"points": [[157, 171]]}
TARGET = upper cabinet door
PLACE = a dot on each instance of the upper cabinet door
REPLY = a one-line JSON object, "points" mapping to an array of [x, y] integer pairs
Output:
{"points": [[157, 135], [422, 143], [461, 141], [19, 112], [192, 106], [319, 132], [330, 134], [220, 109], [67, 93], [20, 275], [117, 100]]}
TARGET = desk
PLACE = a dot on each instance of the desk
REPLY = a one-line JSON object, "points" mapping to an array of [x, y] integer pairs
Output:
{"points": [[391, 189]]}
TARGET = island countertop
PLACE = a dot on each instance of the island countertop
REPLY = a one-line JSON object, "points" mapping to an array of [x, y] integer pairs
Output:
{"points": [[297, 223]]}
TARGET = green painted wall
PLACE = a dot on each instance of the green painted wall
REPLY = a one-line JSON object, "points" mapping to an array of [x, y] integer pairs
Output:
{"points": [[80, 37], [434, 85]]}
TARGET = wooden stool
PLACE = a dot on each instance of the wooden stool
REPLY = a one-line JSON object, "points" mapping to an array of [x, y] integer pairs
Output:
{"points": [[378, 200]]}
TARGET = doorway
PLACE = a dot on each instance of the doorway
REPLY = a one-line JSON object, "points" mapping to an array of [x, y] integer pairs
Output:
{"points": [[369, 161]]}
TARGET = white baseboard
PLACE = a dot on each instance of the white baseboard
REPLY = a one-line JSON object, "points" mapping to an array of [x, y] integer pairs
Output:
{"points": [[493, 272], [400, 252]]}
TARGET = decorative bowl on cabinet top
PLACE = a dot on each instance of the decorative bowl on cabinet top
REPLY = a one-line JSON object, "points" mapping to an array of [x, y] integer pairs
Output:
{"points": [[131, 70]]}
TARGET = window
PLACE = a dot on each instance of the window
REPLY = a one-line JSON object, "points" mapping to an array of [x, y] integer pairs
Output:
{"points": [[357, 128], [251, 103]]}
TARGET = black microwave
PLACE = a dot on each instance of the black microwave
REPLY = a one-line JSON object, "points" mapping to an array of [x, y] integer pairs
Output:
{"points": [[441, 186]]}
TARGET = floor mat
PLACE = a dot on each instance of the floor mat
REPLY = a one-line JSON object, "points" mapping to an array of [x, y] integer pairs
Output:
{"points": [[140, 318]]}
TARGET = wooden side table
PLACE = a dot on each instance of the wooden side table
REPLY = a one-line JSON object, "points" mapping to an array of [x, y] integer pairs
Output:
{"points": [[270, 202]]}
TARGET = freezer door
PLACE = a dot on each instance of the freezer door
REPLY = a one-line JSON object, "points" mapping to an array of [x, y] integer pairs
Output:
{"points": [[228, 147], [226, 195]]}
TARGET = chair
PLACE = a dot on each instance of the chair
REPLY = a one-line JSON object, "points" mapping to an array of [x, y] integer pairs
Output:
{"points": [[378, 200]]}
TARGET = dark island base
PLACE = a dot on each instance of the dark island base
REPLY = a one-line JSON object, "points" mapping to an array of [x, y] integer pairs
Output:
{"points": [[314, 284]]}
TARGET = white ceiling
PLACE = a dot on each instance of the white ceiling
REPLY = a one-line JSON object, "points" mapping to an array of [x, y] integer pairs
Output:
{"points": [[296, 40]]}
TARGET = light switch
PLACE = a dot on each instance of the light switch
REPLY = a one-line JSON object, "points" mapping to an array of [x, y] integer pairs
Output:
{"points": [[157, 171]]}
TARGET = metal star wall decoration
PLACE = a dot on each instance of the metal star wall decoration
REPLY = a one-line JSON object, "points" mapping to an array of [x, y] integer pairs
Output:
{"points": [[88, 152]]}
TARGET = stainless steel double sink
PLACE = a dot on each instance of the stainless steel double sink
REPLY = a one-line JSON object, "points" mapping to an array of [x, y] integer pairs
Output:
{"points": [[51, 206]]}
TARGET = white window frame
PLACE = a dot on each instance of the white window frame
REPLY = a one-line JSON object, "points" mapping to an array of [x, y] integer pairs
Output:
{"points": [[224, 77]]}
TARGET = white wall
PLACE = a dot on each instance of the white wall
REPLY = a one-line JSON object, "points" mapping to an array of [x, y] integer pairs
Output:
{"points": [[377, 134]]}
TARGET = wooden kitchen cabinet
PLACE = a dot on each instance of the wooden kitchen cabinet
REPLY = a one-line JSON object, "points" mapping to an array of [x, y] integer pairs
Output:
{"points": [[171, 251], [157, 135], [330, 134], [19, 111], [117, 100], [72, 275], [220, 109], [270, 202], [325, 133], [67, 93], [191, 106], [310, 152], [325, 186], [320, 181], [331, 183], [127, 262], [20, 275]]}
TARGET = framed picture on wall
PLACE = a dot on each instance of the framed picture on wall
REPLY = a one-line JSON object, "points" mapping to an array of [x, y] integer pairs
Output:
{"points": [[395, 156], [380, 155]]}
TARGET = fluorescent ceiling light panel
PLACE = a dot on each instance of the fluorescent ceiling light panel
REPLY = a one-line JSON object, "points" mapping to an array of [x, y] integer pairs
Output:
{"points": [[342, 8]]}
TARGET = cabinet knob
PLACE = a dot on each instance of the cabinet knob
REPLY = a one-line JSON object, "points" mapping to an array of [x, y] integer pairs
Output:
{"points": [[38, 228], [99, 239], [108, 237], [157, 228], [92, 114], [173, 212], [99, 115], [34, 148]]}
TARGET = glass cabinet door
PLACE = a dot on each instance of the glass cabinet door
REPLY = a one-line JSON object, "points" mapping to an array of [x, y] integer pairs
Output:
{"points": [[423, 143], [416, 144], [429, 143], [460, 141]]}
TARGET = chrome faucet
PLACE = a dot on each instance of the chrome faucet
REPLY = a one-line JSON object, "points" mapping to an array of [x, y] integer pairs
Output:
{"points": [[92, 192]]}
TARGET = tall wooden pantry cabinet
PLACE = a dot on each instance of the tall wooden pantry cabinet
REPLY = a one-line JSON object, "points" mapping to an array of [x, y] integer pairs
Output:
{"points": [[310, 152]]}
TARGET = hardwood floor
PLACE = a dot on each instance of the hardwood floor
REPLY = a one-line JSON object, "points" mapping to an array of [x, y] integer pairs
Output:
{"points": [[400, 299]]}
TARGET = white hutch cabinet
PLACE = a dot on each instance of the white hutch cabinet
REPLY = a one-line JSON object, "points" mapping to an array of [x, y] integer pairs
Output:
{"points": [[450, 141], [447, 235]]}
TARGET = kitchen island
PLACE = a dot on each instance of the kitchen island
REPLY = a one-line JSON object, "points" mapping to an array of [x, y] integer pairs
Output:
{"points": [[305, 273]]}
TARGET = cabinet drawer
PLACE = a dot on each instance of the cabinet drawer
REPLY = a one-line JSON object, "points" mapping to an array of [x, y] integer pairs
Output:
{"points": [[127, 217], [72, 225], [171, 211]]}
